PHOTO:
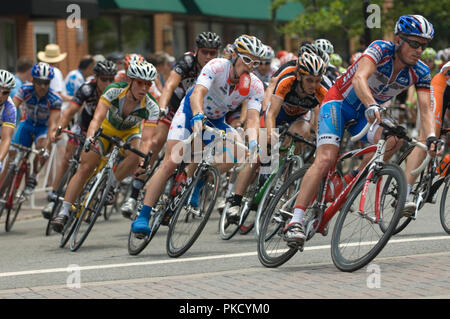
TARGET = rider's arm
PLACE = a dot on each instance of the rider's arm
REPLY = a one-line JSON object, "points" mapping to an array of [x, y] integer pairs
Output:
{"points": [[7, 132], [170, 85], [197, 97], [268, 93], [365, 69], [68, 114], [17, 102], [252, 125], [54, 116], [99, 116], [427, 125], [243, 116], [147, 136], [272, 114]]}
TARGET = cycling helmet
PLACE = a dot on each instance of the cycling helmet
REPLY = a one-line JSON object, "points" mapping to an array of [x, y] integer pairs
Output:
{"points": [[142, 70], [105, 68], [249, 44], [42, 71], [335, 59], [208, 40], [115, 56], [314, 49], [414, 25], [269, 55], [325, 45], [311, 64], [132, 57], [7, 80], [428, 53]]}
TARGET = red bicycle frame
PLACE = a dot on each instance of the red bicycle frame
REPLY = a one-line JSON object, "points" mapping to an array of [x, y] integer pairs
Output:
{"points": [[17, 178]]}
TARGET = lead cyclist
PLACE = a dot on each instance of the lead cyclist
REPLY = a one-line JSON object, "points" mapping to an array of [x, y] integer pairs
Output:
{"points": [[384, 70]]}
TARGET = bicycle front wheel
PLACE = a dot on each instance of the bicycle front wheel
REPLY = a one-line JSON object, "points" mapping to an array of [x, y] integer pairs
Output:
{"points": [[273, 250], [357, 236], [444, 210], [188, 222], [5, 189], [90, 212], [17, 201]]}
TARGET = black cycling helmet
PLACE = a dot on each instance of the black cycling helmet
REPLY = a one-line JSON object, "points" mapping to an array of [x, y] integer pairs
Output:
{"points": [[208, 40], [106, 67], [115, 56]]}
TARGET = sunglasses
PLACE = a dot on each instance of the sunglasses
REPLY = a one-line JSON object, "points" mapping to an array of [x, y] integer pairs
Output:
{"points": [[41, 82], [209, 52], [106, 78], [5, 92], [249, 61], [142, 83], [414, 44]]}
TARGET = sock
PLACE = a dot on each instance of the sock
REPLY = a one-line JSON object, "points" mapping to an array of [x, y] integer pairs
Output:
{"points": [[408, 190], [299, 212], [65, 211], [145, 211]]}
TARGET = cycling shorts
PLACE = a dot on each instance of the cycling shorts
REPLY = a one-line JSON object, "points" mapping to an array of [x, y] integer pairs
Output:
{"points": [[124, 135], [27, 132]]}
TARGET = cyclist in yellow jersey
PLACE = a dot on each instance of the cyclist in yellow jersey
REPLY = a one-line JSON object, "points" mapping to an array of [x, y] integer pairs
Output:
{"points": [[120, 111]]}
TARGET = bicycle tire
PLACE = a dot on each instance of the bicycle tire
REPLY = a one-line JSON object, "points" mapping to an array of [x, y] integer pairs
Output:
{"points": [[177, 219], [444, 211], [98, 199], [226, 229], [10, 219], [273, 237], [346, 264], [5, 188]]}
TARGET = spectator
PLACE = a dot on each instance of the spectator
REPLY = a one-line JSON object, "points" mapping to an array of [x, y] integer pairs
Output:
{"points": [[52, 55], [162, 63], [23, 74], [77, 77]]}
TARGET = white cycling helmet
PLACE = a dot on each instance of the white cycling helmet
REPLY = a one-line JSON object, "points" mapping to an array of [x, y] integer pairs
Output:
{"points": [[142, 70], [7, 80], [325, 45], [311, 64], [249, 44], [269, 55]]}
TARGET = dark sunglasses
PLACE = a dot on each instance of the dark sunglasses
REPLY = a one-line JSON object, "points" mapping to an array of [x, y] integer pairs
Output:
{"points": [[414, 44], [209, 52], [41, 82], [106, 78], [265, 62], [142, 83], [5, 92]]}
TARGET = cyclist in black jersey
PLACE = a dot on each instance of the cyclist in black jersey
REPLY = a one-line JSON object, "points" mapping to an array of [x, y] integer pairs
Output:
{"points": [[181, 78], [88, 95]]}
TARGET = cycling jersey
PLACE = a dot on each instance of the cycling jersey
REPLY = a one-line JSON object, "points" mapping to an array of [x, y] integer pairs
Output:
{"points": [[37, 110], [73, 81], [221, 98], [7, 114], [291, 66], [114, 98], [440, 85], [341, 104], [88, 95]]}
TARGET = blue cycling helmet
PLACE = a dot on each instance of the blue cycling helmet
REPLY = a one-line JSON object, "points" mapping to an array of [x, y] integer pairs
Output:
{"points": [[42, 71], [414, 25]]}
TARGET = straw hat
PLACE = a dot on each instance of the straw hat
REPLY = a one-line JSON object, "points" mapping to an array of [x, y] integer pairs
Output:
{"points": [[52, 54]]}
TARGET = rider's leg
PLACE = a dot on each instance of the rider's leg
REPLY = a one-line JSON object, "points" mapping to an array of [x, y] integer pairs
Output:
{"points": [[158, 141], [70, 150]]}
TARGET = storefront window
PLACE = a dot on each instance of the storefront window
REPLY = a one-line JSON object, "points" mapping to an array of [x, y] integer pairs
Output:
{"points": [[179, 38], [136, 36], [103, 35], [8, 47]]}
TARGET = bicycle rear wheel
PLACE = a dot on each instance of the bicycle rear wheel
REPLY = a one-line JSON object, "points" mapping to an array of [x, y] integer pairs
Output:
{"points": [[90, 213], [4, 190], [11, 213], [227, 228], [444, 209], [187, 223], [273, 250], [357, 236]]}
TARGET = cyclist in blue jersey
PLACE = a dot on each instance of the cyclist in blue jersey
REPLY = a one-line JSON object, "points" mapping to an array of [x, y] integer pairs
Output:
{"points": [[7, 113], [42, 108], [384, 70]]}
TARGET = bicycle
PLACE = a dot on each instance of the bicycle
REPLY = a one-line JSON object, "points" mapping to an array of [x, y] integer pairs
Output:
{"points": [[11, 198], [425, 189], [353, 201], [98, 189], [72, 168], [262, 189]]}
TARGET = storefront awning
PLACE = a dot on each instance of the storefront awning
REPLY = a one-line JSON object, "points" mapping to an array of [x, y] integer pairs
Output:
{"points": [[50, 8], [173, 6]]}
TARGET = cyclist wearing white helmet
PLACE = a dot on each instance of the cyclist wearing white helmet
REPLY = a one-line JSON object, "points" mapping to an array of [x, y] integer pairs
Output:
{"points": [[325, 45], [42, 108], [222, 85], [7, 113], [357, 94], [265, 71], [121, 110]]}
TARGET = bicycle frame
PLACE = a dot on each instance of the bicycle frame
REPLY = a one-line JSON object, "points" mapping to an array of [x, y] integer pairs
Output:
{"points": [[21, 167]]}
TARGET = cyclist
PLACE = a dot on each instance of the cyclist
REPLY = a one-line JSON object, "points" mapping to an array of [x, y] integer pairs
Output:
{"points": [[265, 71], [42, 109], [222, 85], [429, 56], [383, 71], [85, 99], [120, 111], [440, 85], [7, 113], [297, 94], [181, 78]]}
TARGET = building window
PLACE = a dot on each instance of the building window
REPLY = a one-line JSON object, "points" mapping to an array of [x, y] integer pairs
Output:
{"points": [[179, 38], [44, 33], [8, 47], [137, 34], [103, 35]]}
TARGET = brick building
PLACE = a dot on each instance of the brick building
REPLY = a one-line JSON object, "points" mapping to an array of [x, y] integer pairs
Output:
{"points": [[26, 26]]}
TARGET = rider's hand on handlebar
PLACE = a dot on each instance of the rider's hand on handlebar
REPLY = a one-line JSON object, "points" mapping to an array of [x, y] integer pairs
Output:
{"points": [[197, 123], [372, 113], [434, 145]]}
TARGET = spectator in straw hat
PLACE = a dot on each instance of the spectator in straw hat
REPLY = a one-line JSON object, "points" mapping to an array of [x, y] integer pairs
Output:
{"points": [[52, 55]]}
